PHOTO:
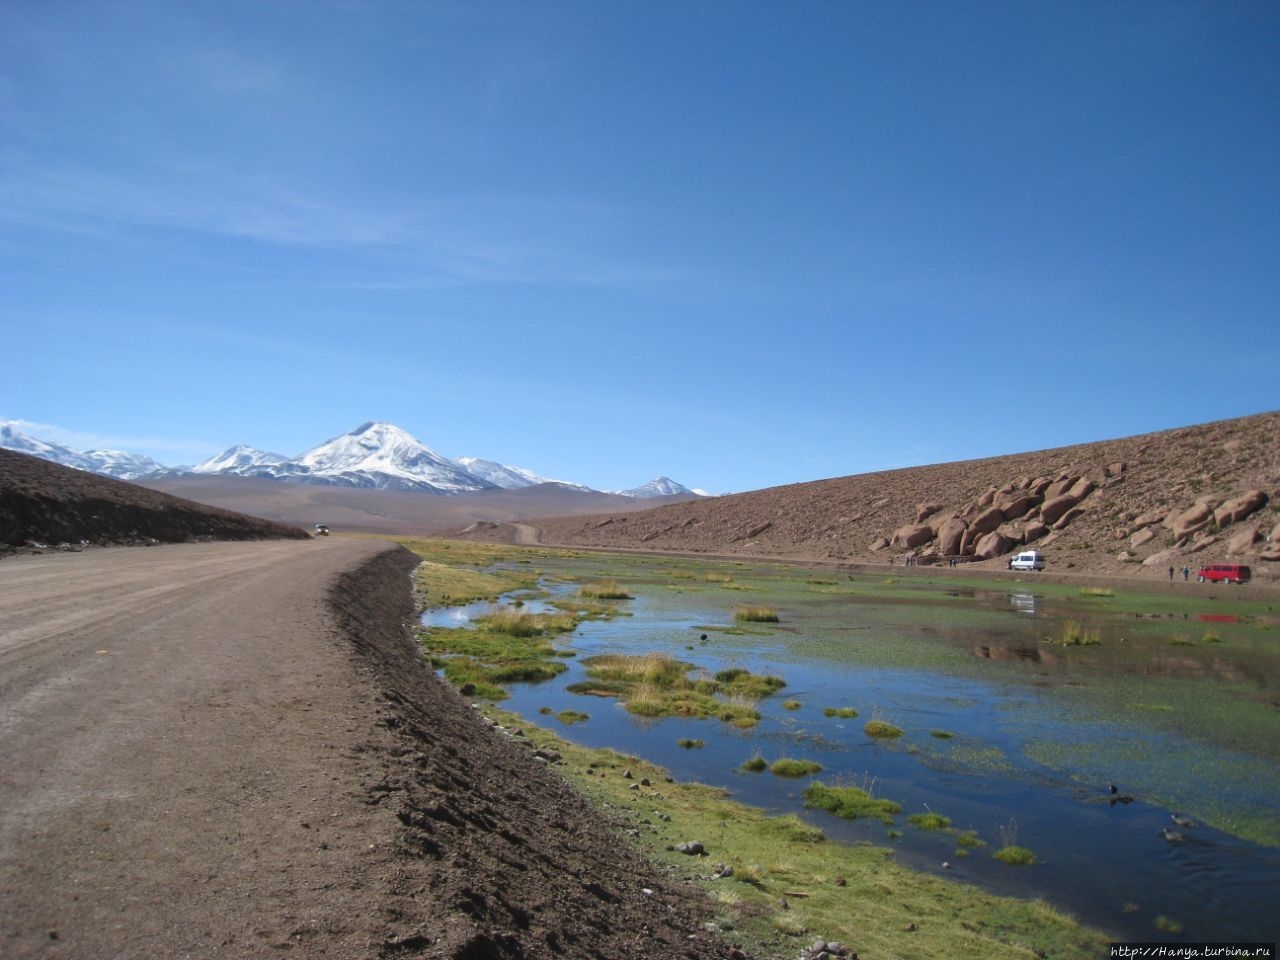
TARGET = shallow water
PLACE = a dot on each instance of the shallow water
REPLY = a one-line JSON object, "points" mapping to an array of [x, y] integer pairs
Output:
{"points": [[1105, 862]]}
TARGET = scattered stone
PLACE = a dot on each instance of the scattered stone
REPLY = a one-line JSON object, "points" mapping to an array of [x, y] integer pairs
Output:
{"points": [[1142, 537], [692, 848]]}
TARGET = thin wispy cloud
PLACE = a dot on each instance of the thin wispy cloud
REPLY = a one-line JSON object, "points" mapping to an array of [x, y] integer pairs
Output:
{"points": [[440, 241], [88, 440]]}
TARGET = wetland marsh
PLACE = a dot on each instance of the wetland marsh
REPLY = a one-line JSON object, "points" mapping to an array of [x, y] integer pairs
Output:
{"points": [[1070, 724]]}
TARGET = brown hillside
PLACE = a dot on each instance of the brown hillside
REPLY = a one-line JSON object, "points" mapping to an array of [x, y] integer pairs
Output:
{"points": [[348, 509], [1134, 506], [46, 503]]}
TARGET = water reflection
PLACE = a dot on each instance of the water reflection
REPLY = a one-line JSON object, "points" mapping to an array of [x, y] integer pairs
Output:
{"points": [[1024, 603], [463, 614], [969, 752]]}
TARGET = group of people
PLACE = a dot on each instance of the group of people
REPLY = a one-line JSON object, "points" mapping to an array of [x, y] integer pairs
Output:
{"points": [[1186, 573]]}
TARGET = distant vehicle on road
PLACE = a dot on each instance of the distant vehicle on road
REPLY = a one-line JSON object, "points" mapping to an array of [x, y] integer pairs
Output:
{"points": [[1027, 560], [322, 529], [1225, 573]]}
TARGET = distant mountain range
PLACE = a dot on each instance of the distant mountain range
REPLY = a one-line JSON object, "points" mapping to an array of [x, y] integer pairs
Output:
{"points": [[375, 455]]}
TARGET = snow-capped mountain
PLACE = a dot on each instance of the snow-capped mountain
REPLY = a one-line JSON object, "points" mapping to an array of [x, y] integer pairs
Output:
{"points": [[658, 487], [508, 478], [111, 463], [239, 459], [377, 455]]}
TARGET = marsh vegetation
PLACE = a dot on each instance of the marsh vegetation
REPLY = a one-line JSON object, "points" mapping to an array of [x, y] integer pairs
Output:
{"points": [[1003, 703]]}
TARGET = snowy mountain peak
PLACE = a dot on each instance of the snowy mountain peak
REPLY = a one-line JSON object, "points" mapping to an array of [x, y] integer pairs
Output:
{"points": [[657, 487], [376, 455], [238, 459], [382, 455], [111, 463], [508, 478]]}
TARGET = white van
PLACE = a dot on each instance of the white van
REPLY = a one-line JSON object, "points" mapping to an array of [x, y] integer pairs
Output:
{"points": [[1027, 560]]}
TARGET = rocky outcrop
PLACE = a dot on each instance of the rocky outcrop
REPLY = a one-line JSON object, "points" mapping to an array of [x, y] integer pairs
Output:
{"points": [[950, 535], [912, 535], [1171, 491], [1238, 508], [1192, 520], [1054, 508], [1242, 541], [992, 545]]}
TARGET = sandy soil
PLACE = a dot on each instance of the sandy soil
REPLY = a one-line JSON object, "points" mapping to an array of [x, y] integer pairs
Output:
{"points": [[233, 750]]}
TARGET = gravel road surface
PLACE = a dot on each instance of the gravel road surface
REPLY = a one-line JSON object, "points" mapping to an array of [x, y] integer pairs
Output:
{"points": [[236, 750], [175, 780]]}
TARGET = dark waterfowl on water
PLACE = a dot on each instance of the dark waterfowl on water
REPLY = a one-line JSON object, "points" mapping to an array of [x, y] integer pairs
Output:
{"points": [[1185, 822], [1172, 836], [1122, 798]]}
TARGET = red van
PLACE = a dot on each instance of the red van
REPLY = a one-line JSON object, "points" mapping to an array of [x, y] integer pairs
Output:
{"points": [[1224, 573]]}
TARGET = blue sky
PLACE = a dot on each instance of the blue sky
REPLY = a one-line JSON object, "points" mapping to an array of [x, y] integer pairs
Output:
{"points": [[739, 243]]}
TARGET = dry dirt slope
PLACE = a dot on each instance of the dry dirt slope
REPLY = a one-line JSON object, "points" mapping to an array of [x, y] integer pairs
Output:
{"points": [[47, 503], [1133, 506]]}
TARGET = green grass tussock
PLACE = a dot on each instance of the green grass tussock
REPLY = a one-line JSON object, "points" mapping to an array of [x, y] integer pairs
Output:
{"points": [[849, 802], [929, 821], [787, 767], [658, 685], [847, 713], [882, 729], [1015, 856], [608, 590]]}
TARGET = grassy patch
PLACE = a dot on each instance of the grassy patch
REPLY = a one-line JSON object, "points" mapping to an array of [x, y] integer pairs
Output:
{"points": [[755, 613], [882, 729], [929, 821], [854, 893], [756, 764], [847, 713], [657, 685], [687, 743], [788, 767], [849, 802], [1015, 856], [791, 704], [570, 717], [507, 646], [608, 590], [1075, 634]]}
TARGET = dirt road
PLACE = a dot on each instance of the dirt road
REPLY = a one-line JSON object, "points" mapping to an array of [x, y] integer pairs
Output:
{"points": [[173, 781], [235, 750]]}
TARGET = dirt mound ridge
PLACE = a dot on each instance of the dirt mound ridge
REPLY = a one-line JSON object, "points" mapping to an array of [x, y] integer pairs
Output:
{"points": [[1133, 506], [501, 858], [46, 503]]}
